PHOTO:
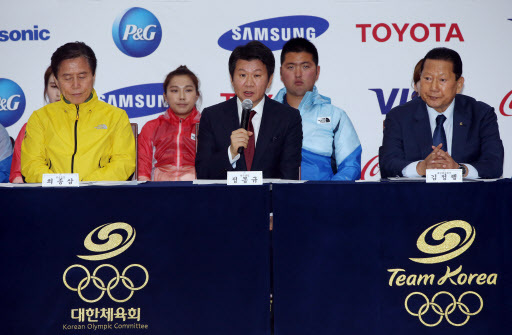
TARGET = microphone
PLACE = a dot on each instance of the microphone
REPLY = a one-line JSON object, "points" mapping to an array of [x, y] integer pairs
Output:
{"points": [[246, 112]]}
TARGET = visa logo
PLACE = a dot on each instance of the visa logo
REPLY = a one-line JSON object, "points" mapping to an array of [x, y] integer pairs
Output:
{"points": [[387, 104]]}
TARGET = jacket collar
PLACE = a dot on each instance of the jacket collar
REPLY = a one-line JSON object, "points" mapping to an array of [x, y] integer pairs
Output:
{"points": [[86, 105], [171, 117], [310, 98]]}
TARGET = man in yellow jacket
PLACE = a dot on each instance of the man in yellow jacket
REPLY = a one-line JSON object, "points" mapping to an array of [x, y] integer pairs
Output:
{"points": [[78, 134]]}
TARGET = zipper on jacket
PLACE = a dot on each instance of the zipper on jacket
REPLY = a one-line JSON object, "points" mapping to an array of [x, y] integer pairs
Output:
{"points": [[178, 145], [74, 153]]}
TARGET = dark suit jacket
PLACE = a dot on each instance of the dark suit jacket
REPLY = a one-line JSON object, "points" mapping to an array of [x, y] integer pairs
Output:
{"points": [[278, 149], [476, 138]]}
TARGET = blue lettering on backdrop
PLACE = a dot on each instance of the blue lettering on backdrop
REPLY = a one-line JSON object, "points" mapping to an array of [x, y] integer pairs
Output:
{"points": [[275, 32], [27, 34], [385, 107], [138, 100]]}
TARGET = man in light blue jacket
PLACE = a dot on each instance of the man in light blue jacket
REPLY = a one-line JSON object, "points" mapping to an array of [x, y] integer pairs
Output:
{"points": [[330, 149]]}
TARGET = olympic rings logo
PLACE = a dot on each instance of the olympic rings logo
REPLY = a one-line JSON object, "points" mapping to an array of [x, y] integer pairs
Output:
{"points": [[449, 309], [100, 284]]}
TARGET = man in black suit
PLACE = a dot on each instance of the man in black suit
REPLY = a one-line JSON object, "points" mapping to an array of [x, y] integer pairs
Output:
{"points": [[443, 129], [272, 143]]}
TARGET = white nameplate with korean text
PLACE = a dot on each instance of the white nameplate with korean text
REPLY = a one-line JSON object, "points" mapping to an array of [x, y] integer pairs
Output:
{"points": [[60, 180], [245, 178], [444, 176]]}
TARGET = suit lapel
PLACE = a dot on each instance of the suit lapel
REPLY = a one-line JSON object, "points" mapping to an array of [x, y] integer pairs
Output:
{"points": [[233, 123], [422, 129], [265, 132], [461, 126], [231, 115]]}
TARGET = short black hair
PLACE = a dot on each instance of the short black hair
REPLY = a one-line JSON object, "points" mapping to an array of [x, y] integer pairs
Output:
{"points": [[73, 50], [448, 55], [299, 44], [251, 51]]}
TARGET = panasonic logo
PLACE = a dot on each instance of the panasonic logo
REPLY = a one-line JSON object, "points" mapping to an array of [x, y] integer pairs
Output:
{"points": [[24, 35], [275, 32]]}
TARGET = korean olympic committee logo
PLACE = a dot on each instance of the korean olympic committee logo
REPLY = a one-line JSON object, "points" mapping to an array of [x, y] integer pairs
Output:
{"points": [[451, 246], [102, 281], [137, 32], [12, 102]]}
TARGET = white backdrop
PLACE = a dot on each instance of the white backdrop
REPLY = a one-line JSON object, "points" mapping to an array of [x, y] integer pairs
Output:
{"points": [[480, 30]]}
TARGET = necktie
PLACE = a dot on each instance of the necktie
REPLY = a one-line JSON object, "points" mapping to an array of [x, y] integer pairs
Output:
{"points": [[249, 152], [439, 134]]}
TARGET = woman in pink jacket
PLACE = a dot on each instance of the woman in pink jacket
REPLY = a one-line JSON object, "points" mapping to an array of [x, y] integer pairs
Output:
{"points": [[167, 145]]}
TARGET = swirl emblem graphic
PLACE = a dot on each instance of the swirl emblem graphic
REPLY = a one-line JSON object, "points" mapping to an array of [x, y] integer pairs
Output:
{"points": [[100, 283], [451, 245], [447, 311], [114, 244]]}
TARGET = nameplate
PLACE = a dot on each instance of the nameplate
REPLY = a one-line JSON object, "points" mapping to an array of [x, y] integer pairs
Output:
{"points": [[245, 178], [444, 176], [60, 180]]}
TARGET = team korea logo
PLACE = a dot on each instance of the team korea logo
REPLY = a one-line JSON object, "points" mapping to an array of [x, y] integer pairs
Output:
{"points": [[137, 32], [12, 102], [275, 32]]}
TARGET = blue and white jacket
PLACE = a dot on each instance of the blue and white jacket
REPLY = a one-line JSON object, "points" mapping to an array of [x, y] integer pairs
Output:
{"points": [[330, 149]]}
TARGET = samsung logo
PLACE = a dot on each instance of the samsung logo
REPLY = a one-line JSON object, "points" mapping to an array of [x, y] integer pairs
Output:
{"points": [[275, 32], [24, 35], [138, 100]]}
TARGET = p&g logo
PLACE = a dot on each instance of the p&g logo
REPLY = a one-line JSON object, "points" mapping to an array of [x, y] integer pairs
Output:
{"points": [[137, 32], [12, 102], [275, 32]]}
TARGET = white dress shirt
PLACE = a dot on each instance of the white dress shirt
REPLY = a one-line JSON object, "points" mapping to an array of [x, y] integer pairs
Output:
{"points": [[256, 122], [410, 170]]}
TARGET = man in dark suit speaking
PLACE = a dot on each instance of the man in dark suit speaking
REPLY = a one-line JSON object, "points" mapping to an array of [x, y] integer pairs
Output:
{"points": [[273, 141], [443, 129]]}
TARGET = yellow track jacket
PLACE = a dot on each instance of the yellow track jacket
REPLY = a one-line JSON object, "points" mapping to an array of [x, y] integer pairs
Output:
{"points": [[93, 139]]}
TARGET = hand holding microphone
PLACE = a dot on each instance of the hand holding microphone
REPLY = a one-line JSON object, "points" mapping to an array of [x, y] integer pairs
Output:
{"points": [[244, 123]]}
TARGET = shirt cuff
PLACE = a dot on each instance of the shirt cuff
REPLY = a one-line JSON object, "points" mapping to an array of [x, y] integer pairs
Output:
{"points": [[472, 172], [410, 170], [232, 160]]}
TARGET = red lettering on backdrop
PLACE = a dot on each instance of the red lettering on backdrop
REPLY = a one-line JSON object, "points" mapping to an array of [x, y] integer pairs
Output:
{"points": [[227, 95], [457, 34], [363, 30], [400, 31], [388, 32], [373, 171], [438, 30], [413, 32], [504, 102]]}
